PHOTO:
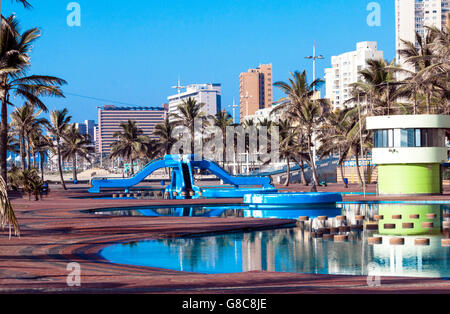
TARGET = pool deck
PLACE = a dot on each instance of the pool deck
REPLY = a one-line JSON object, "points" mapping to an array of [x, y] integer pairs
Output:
{"points": [[55, 232]]}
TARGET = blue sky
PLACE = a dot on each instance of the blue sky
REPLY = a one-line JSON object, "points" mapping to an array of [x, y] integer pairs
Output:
{"points": [[133, 51]]}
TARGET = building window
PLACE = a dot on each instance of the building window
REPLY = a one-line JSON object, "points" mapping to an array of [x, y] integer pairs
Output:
{"points": [[409, 138]]}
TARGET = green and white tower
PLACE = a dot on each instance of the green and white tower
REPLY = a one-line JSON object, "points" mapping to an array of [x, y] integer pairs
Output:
{"points": [[409, 151]]}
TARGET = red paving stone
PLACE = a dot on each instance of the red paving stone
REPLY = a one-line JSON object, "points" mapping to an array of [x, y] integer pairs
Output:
{"points": [[55, 232]]}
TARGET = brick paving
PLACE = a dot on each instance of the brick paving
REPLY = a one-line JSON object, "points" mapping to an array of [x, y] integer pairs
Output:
{"points": [[55, 232]]}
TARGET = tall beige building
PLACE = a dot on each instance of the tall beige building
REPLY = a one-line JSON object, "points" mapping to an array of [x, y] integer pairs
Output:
{"points": [[256, 90]]}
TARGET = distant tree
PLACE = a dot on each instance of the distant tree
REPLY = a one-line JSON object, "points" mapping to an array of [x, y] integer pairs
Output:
{"points": [[59, 123], [165, 139], [188, 112], [131, 143], [76, 145]]}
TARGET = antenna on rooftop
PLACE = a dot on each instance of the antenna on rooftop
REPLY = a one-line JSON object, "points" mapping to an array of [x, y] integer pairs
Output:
{"points": [[179, 87]]}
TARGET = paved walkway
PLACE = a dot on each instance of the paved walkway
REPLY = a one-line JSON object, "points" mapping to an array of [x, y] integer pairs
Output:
{"points": [[55, 232]]}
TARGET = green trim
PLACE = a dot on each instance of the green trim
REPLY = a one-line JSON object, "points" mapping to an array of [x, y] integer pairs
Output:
{"points": [[409, 179], [406, 210]]}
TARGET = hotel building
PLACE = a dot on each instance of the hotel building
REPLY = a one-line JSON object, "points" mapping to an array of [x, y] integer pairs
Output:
{"points": [[345, 71], [208, 94], [412, 16], [256, 91], [110, 117], [87, 128]]}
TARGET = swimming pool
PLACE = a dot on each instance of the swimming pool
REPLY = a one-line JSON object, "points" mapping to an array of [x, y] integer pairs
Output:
{"points": [[231, 210], [300, 250]]}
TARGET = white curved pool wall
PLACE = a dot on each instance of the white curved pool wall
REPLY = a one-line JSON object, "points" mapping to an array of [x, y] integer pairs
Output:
{"points": [[409, 151]]}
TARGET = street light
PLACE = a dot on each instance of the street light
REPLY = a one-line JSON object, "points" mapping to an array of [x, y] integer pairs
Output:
{"points": [[234, 111], [314, 58]]}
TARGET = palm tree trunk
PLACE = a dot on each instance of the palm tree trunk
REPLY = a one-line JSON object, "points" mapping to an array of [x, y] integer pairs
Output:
{"points": [[60, 164], [34, 154], [131, 167], [341, 168], [312, 163], [288, 172], [4, 132], [302, 168], [28, 153], [22, 150], [415, 99], [74, 166], [428, 102], [41, 160], [359, 170]]}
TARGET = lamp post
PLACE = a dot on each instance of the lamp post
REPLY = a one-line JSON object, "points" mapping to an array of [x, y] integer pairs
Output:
{"points": [[234, 111], [314, 58]]}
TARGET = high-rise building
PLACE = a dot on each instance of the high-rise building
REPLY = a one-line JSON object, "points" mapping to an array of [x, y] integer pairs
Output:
{"points": [[86, 128], [412, 16], [208, 94], [345, 71], [110, 117], [97, 138], [256, 91]]}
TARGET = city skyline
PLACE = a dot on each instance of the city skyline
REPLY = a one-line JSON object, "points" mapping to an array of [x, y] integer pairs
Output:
{"points": [[203, 44]]}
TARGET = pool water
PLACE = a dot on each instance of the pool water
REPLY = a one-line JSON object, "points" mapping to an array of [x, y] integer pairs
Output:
{"points": [[284, 250], [222, 211], [298, 250]]}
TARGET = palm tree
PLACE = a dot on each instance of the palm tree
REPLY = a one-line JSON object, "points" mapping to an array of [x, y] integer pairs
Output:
{"points": [[25, 120], [76, 145], [420, 80], [165, 139], [131, 143], [300, 106], [41, 145], [248, 123], [59, 123], [287, 146], [7, 216], [187, 114], [333, 138], [14, 62], [25, 4], [222, 120], [13, 143], [378, 85]]}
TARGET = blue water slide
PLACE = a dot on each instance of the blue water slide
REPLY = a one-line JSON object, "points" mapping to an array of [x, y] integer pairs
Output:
{"points": [[237, 181], [105, 183]]}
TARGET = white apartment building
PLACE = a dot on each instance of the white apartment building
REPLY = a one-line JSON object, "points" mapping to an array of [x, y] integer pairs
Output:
{"points": [[344, 71], [209, 94], [265, 113], [412, 16]]}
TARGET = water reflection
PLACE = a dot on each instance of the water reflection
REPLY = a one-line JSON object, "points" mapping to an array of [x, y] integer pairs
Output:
{"points": [[301, 250], [223, 211]]}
